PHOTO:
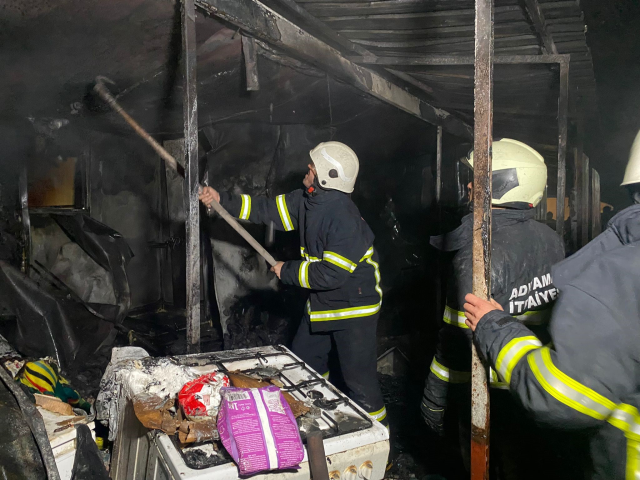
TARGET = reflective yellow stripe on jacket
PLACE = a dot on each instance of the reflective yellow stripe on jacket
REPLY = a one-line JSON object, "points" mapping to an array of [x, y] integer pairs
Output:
{"points": [[283, 211], [303, 275], [306, 256], [339, 261], [353, 312], [245, 209], [567, 390], [626, 418], [512, 353], [573, 394]]}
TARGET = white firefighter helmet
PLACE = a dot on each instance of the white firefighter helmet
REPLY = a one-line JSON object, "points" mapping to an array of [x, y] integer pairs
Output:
{"points": [[632, 173], [519, 174], [337, 166]]}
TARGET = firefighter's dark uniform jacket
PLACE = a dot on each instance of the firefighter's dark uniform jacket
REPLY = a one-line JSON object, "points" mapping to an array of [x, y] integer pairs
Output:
{"points": [[523, 251], [338, 263], [589, 379]]}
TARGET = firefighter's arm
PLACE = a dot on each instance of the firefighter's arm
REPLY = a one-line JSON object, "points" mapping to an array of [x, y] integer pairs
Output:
{"points": [[577, 382], [282, 211], [342, 253]]}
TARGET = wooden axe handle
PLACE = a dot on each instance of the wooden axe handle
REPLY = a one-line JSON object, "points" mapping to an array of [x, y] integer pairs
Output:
{"points": [[104, 93], [243, 233]]}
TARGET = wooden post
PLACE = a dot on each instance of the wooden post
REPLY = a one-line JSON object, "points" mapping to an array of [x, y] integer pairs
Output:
{"points": [[192, 205], [537, 18], [483, 139], [250, 53]]}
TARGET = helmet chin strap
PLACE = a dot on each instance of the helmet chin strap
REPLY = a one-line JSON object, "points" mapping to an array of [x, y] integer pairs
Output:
{"points": [[312, 191]]}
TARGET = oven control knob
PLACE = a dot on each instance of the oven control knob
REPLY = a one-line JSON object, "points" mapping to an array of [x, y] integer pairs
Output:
{"points": [[366, 470], [350, 473], [335, 475]]}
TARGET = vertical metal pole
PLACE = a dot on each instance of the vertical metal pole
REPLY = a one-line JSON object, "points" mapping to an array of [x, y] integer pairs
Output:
{"points": [[26, 220], [596, 223], [482, 144], [585, 201], [573, 205], [439, 166], [192, 207], [578, 184], [439, 267], [563, 110]]}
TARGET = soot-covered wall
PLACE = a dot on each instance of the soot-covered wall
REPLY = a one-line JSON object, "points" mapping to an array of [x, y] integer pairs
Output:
{"points": [[126, 196], [395, 194]]}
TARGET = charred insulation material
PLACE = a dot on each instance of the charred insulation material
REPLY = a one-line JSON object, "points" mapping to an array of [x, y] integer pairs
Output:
{"points": [[19, 454], [48, 323]]}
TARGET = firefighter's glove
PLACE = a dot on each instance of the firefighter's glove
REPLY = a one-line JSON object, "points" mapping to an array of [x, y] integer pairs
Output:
{"points": [[433, 416]]}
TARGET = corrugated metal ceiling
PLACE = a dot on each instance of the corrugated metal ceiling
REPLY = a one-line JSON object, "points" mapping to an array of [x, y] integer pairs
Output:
{"points": [[525, 95]]}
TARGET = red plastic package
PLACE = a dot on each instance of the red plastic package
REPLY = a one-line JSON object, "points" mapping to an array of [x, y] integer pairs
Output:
{"points": [[201, 398]]}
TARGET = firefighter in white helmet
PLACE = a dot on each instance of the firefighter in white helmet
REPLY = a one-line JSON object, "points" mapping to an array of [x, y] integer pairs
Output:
{"points": [[587, 379], [338, 266], [523, 251], [632, 174]]}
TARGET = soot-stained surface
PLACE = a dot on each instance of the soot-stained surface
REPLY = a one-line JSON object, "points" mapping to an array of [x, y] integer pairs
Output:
{"points": [[613, 39]]}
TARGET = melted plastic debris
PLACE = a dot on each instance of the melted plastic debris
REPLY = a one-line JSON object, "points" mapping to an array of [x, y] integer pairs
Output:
{"points": [[132, 369], [205, 455]]}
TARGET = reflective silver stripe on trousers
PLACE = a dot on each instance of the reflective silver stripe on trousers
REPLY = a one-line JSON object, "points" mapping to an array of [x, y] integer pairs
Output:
{"points": [[380, 414]]}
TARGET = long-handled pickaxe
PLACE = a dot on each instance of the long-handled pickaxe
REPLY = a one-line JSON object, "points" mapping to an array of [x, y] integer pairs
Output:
{"points": [[104, 93]]}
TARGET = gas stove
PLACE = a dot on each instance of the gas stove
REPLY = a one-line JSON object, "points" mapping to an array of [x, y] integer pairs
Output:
{"points": [[356, 446]]}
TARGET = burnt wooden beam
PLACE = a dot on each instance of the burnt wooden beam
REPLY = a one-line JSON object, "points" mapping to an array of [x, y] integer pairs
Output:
{"points": [[23, 191], [482, 194], [192, 186], [411, 80], [410, 60], [265, 24], [533, 9], [347, 46], [250, 63]]}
